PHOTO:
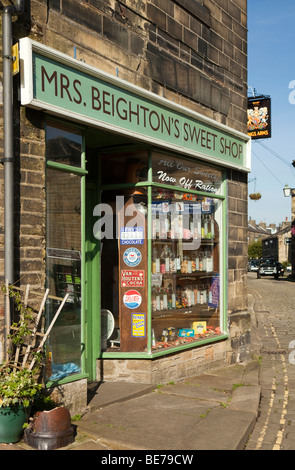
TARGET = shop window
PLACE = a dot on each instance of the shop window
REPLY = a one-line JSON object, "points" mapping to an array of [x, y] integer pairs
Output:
{"points": [[192, 176], [185, 268], [63, 254], [63, 145], [185, 252], [161, 265]]}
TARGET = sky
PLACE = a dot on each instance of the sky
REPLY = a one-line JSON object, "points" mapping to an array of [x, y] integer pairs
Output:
{"points": [[271, 70]]}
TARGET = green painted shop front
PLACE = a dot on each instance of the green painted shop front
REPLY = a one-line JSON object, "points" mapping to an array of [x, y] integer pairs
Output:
{"points": [[136, 216]]}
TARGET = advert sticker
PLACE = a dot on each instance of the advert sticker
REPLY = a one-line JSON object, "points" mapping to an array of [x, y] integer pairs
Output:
{"points": [[138, 325], [132, 299], [131, 235], [132, 278], [132, 257]]}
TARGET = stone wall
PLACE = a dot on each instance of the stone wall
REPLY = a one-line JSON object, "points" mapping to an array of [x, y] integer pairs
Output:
{"points": [[173, 367], [192, 52]]}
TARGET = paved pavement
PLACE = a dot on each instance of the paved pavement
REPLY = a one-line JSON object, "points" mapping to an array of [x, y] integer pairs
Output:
{"points": [[274, 302], [214, 411]]}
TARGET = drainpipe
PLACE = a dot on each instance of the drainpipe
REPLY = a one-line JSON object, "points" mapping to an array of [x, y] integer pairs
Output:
{"points": [[7, 12]]}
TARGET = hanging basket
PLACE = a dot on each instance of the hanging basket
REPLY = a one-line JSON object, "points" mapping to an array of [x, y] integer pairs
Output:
{"points": [[255, 196]]}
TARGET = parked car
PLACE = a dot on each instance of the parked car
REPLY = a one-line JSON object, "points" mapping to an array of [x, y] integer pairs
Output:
{"points": [[253, 265], [268, 267]]}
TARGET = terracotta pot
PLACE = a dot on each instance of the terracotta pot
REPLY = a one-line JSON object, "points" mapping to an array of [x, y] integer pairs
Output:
{"points": [[50, 430]]}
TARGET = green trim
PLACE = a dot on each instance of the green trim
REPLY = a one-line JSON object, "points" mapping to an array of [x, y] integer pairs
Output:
{"points": [[149, 260], [92, 287], [225, 254], [79, 172], [65, 380], [66, 168], [83, 270], [223, 272]]}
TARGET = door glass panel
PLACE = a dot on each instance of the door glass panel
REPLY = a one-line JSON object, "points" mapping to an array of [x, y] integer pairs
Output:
{"points": [[63, 252]]}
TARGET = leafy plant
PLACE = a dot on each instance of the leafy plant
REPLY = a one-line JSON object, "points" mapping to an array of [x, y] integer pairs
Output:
{"points": [[17, 387], [255, 196], [19, 383]]}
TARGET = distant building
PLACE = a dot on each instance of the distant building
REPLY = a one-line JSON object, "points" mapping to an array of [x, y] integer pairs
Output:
{"points": [[278, 246], [256, 231], [275, 240]]}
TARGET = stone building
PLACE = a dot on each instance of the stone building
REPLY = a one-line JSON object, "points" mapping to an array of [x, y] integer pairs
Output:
{"points": [[130, 106]]}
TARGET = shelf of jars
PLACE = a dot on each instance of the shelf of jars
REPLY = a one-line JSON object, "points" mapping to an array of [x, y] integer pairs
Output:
{"points": [[190, 298]]}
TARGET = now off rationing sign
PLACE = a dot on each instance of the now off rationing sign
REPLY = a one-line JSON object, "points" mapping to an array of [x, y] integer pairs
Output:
{"points": [[67, 87]]}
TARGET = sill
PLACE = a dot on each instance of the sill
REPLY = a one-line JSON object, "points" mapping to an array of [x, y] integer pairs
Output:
{"points": [[163, 351], [64, 380]]}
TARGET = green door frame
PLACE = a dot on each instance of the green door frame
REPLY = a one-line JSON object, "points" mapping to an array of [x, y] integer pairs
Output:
{"points": [[92, 286]]}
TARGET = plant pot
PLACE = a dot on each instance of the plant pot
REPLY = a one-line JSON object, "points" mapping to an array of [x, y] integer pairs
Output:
{"points": [[50, 430], [12, 421]]}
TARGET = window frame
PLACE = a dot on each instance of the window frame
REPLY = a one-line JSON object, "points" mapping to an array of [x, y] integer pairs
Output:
{"points": [[82, 172], [149, 184]]}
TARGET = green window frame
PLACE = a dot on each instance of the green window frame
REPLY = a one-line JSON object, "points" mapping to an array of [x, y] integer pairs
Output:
{"points": [[81, 172], [222, 197]]}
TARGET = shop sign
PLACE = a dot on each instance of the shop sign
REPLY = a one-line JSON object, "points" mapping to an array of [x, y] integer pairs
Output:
{"points": [[259, 118], [132, 278], [189, 175], [132, 299], [132, 257], [67, 87], [131, 235], [138, 325]]}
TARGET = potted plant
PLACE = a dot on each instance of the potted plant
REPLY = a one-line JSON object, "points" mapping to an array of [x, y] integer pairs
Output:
{"points": [[18, 389], [19, 383]]}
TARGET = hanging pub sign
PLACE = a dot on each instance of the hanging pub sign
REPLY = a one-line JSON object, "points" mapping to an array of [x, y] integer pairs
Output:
{"points": [[259, 118]]}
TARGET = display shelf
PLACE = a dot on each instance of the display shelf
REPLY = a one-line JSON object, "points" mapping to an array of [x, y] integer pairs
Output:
{"points": [[185, 274]]}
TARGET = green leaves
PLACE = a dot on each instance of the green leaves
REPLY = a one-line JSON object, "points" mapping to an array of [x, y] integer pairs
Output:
{"points": [[17, 387], [18, 384]]}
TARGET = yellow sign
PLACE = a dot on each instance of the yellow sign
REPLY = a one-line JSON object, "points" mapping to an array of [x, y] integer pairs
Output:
{"points": [[138, 325], [15, 59]]}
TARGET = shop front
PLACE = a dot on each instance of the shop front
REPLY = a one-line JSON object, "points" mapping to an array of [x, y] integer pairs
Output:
{"points": [[136, 223]]}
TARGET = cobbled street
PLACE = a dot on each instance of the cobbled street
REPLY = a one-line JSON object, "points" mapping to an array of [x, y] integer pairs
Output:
{"points": [[273, 304]]}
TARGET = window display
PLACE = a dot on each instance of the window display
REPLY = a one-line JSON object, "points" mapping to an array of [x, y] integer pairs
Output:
{"points": [[186, 234], [185, 269], [166, 259]]}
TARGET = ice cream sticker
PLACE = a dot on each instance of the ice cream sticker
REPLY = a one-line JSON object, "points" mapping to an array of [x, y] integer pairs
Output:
{"points": [[138, 325], [132, 257]]}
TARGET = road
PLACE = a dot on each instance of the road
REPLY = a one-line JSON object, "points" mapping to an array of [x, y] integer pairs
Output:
{"points": [[273, 303]]}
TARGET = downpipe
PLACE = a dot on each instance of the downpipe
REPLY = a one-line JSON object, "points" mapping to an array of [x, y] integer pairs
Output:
{"points": [[15, 9]]}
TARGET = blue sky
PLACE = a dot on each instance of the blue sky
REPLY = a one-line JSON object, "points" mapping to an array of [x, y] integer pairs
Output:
{"points": [[271, 68]]}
